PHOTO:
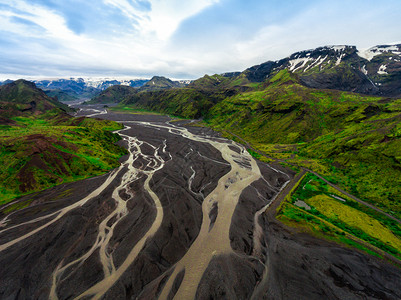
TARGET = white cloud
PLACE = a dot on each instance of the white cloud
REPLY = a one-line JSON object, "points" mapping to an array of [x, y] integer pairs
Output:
{"points": [[165, 15], [59, 46], [146, 45]]}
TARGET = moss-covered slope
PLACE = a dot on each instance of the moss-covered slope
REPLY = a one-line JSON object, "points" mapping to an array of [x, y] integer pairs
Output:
{"points": [[352, 139], [42, 146], [21, 97]]}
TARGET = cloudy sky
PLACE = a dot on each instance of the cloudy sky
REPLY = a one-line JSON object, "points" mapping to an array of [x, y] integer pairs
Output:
{"points": [[176, 38]]}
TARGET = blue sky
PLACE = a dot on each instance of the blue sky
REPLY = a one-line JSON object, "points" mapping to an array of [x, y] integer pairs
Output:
{"points": [[179, 39]]}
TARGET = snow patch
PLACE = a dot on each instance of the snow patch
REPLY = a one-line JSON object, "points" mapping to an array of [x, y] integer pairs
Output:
{"points": [[339, 59], [364, 71], [382, 70], [316, 63], [295, 62], [369, 54], [339, 48], [321, 61]]}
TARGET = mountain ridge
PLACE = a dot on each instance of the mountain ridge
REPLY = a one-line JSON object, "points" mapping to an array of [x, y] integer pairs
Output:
{"points": [[375, 71], [42, 146], [21, 96]]}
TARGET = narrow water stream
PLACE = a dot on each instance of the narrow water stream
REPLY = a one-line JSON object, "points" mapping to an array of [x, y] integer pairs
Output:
{"points": [[212, 240]]}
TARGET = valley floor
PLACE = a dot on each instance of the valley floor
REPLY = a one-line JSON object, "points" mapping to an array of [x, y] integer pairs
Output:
{"points": [[183, 217]]}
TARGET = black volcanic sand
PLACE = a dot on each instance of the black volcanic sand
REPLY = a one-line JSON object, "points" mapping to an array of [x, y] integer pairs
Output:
{"points": [[289, 265]]}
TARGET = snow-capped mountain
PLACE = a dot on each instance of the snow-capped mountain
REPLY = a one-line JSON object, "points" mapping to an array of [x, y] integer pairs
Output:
{"points": [[376, 70], [82, 88], [104, 83], [80, 83]]}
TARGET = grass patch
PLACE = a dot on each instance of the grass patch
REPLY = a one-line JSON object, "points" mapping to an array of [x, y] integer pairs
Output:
{"points": [[39, 152], [334, 216]]}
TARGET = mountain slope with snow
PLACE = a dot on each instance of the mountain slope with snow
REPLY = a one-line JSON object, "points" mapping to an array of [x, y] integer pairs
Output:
{"points": [[83, 88], [375, 71]]}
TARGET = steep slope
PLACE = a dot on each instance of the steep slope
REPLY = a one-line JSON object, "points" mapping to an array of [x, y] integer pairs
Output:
{"points": [[354, 140], [376, 71], [42, 146], [61, 95], [21, 97], [114, 94], [186, 102]]}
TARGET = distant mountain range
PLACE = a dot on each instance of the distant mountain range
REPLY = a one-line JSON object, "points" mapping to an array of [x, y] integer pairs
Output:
{"points": [[86, 88], [80, 88], [118, 93], [375, 71]]}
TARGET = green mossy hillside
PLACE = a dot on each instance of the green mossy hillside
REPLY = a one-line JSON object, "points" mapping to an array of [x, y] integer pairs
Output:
{"points": [[21, 97], [353, 140], [38, 152], [184, 102]]}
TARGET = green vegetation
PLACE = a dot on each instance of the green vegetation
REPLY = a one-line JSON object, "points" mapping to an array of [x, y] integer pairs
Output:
{"points": [[38, 152], [352, 140], [315, 206], [254, 154], [131, 109], [21, 97], [61, 96], [186, 102]]}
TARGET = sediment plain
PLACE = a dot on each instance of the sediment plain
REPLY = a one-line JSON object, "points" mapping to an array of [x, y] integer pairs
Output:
{"points": [[187, 215]]}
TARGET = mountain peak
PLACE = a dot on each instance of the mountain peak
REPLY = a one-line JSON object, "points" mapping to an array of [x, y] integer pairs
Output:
{"points": [[22, 96], [370, 53], [375, 71], [24, 83], [160, 83]]}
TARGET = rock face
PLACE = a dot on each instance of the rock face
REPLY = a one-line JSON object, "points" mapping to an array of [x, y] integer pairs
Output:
{"points": [[376, 71], [130, 234]]}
